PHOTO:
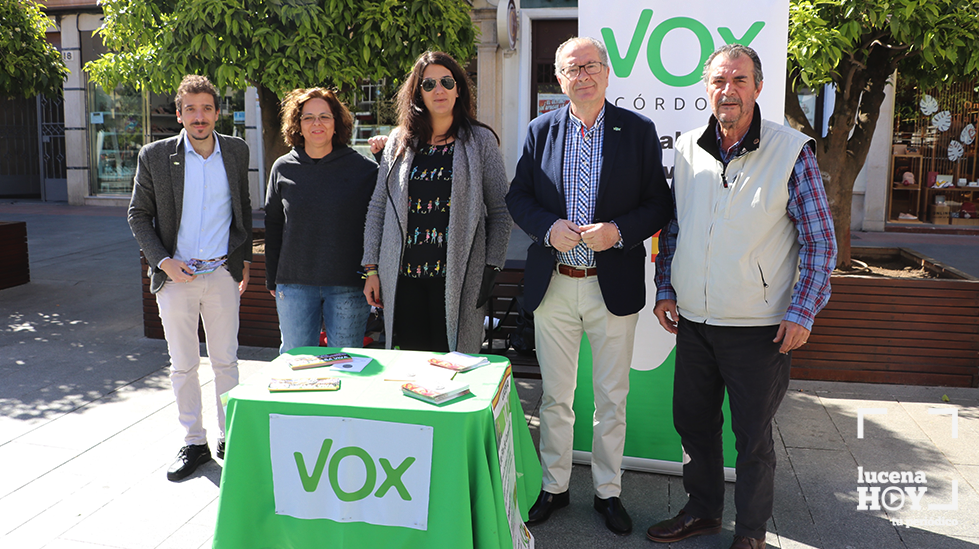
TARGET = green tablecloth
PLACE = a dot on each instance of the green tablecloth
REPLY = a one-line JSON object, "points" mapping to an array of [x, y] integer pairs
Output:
{"points": [[466, 501]]}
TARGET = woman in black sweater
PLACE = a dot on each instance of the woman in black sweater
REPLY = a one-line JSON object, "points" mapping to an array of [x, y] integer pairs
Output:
{"points": [[314, 218]]}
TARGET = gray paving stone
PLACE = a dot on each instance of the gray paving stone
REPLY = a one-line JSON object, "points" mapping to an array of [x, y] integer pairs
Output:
{"points": [[791, 520], [970, 473], [802, 422], [964, 448], [929, 540], [828, 481], [149, 513], [896, 422], [74, 544]]}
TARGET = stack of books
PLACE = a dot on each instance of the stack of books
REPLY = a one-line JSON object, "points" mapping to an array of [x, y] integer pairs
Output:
{"points": [[459, 362], [302, 362], [277, 385], [435, 391]]}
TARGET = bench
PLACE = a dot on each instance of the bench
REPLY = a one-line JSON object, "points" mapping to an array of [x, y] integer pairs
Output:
{"points": [[14, 262], [503, 308]]}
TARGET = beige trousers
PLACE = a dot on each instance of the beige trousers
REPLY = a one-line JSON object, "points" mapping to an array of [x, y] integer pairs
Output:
{"points": [[570, 307], [214, 298]]}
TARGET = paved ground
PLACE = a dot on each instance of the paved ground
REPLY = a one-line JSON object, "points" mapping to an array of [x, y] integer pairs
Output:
{"points": [[88, 425]]}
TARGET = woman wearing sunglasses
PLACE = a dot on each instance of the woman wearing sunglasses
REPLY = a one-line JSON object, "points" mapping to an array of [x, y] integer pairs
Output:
{"points": [[314, 218], [437, 226]]}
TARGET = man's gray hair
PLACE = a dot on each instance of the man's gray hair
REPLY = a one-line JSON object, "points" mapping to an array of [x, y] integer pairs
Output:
{"points": [[734, 51], [602, 51]]}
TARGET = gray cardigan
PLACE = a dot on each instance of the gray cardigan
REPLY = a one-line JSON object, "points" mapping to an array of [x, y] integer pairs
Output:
{"points": [[478, 216], [158, 194]]}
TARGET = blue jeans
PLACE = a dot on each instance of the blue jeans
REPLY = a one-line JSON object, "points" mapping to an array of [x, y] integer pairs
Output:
{"points": [[303, 309]]}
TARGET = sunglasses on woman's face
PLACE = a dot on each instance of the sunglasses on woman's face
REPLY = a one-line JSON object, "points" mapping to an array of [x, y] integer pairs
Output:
{"points": [[428, 84]]}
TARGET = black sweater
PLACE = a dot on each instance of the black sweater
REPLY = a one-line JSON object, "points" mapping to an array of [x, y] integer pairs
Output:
{"points": [[314, 218]]}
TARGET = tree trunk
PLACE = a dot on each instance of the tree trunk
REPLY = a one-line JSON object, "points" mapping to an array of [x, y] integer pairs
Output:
{"points": [[838, 179], [842, 152], [272, 143]]}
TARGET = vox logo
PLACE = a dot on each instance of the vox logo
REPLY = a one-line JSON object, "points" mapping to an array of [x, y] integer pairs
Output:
{"points": [[657, 44], [351, 470], [392, 478]]}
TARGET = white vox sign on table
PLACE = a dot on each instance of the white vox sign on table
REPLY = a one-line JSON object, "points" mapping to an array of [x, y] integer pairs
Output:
{"points": [[351, 470]]}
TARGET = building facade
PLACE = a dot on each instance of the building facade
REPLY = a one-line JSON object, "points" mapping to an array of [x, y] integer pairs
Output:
{"points": [[89, 140]]}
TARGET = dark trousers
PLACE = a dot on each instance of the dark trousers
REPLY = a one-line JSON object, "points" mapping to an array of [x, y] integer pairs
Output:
{"points": [[419, 317], [746, 362]]}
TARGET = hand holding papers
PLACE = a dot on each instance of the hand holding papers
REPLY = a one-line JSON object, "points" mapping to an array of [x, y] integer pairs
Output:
{"points": [[202, 266]]}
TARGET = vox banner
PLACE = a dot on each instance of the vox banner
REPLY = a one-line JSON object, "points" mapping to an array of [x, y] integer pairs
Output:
{"points": [[351, 470], [657, 51]]}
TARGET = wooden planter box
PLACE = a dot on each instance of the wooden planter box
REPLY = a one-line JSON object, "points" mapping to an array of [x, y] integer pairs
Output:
{"points": [[258, 320], [15, 266], [901, 331]]}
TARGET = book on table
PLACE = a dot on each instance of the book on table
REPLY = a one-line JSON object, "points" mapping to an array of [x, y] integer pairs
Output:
{"points": [[435, 391], [301, 362], [459, 362], [281, 384]]}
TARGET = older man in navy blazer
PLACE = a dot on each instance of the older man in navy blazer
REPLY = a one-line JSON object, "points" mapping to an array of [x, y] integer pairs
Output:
{"points": [[589, 190]]}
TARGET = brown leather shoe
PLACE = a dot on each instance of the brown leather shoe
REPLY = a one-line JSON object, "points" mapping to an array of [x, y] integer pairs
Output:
{"points": [[682, 526], [744, 542]]}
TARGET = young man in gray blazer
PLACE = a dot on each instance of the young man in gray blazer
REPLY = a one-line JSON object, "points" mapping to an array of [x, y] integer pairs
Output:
{"points": [[192, 217]]}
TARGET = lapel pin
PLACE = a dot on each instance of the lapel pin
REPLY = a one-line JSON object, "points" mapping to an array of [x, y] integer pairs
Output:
{"points": [[616, 128]]}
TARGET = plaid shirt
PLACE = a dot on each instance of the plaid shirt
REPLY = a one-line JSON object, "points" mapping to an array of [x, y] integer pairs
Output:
{"points": [[574, 165], [809, 210]]}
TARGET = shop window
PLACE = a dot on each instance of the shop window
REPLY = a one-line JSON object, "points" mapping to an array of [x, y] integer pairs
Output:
{"points": [[546, 36], [122, 121], [934, 169], [115, 125]]}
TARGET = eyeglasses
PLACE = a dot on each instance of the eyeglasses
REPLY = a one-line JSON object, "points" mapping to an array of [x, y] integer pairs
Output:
{"points": [[321, 118], [428, 84], [594, 67]]}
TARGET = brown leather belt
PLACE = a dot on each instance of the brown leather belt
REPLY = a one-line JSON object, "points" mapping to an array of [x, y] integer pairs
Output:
{"points": [[573, 272]]}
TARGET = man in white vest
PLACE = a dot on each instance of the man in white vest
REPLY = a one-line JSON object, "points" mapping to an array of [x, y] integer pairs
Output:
{"points": [[743, 269]]}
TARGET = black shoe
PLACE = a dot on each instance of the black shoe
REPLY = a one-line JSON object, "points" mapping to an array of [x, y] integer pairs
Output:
{"points": [[546, 504], [682, 526], [220, 450], [616, 517], [188, 459]]}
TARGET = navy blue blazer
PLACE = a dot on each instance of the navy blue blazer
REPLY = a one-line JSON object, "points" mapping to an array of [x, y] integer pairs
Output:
{"points": [[632, 191]]}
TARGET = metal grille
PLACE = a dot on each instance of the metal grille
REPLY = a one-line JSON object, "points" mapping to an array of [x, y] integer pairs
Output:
{"points": [[18, 148], [52, 117]]}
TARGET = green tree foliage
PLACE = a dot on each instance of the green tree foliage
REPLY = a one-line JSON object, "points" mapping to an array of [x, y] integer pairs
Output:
{"points": [[275, 45], [856, 45], [29, 65]]}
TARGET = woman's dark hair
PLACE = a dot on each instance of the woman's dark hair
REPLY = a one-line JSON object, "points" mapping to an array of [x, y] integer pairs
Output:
{"points": [[292, 110], [413, 117]]}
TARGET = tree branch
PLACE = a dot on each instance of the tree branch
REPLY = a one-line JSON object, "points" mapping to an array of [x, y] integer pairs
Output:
{"points": [[794, 114]]}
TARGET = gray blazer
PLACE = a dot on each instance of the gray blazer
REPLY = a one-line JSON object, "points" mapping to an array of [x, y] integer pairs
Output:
{"points": [[158, 194], [478, 222]]}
